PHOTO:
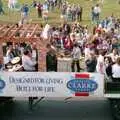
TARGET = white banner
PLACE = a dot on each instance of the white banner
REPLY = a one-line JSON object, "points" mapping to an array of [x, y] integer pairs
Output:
{"points": [[51, 84]]}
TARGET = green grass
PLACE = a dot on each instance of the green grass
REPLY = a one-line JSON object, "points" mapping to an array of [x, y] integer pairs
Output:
{"points": [[109, 7]]}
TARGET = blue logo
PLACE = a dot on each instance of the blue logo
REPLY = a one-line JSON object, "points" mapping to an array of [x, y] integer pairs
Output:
{"points": [[2, 84], [82, 85]]}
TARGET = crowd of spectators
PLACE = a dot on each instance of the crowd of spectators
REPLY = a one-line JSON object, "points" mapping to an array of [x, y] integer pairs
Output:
{"points": [[76, 41], [71, 12], [97, 47]]}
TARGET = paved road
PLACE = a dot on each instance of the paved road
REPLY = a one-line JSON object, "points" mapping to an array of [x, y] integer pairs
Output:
{"points": [[58, 110]]}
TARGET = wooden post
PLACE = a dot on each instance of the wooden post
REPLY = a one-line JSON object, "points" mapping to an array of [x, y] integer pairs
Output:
{"points": [[41, 55], [34, 30], [1, 52], [12, 35], [7, 31]]}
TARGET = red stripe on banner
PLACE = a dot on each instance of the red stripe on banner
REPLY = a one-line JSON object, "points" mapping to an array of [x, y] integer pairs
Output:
{"points": [[81, 94], [82, 75]]}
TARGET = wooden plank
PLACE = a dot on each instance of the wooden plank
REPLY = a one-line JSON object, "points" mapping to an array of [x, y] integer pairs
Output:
{"points": [[3, 27], [8, 30], [14, 32], [17, 39], [26, 30], [34, 30]]}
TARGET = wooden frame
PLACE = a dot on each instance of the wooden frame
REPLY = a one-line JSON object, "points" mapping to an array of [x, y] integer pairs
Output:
{"points": [[8, 32]]}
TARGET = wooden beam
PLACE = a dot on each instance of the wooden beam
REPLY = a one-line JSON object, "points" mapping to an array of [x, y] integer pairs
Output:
{"points": [[26, 30], [8, 30], [14, 32], [1, 54], [3, 27], [17, 39], [34, 30]]}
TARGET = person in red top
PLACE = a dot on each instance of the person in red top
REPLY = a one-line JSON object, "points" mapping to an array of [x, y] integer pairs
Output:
{"points": [[68, 44]]}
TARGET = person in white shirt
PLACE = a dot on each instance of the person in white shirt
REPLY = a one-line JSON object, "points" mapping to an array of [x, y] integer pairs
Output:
{"points": [[87, 51], [97, 12], [101, 1], [76, 54], [45, 32], [114, 55], [116, 71], [34, 53], [27, 62], [100, 67], [12, 3], [9, 54]]}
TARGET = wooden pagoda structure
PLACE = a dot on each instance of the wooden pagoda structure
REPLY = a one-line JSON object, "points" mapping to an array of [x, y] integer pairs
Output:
{"points": [[28, 33]]}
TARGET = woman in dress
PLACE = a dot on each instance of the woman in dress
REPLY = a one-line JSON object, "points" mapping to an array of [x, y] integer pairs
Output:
{"points": [[100, 67]]}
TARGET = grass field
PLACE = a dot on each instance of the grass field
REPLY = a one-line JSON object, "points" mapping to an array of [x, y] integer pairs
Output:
{"points": [[109, 7]]}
